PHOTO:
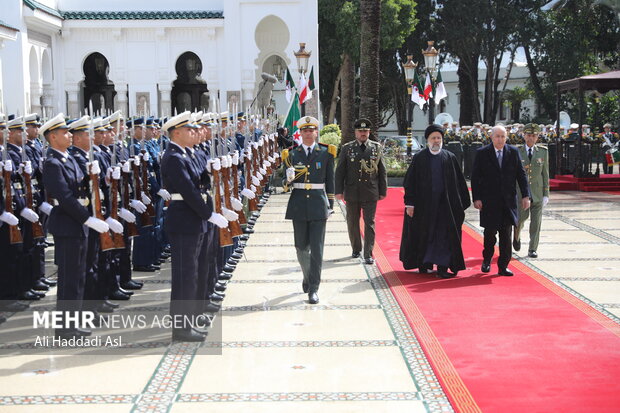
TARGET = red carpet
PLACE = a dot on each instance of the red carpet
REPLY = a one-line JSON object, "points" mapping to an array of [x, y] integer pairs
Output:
{"points": [[503, 344]]}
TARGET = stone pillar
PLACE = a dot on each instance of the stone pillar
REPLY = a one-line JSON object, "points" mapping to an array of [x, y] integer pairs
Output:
{"points": [[165, 104], [47, 99], [120, 100], [73, 103], [35, 98]]}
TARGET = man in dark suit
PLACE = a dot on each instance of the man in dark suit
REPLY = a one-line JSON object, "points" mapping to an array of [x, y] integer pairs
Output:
{"points": [[186, 224], [496, 171], [70, 219], [310, 171]]}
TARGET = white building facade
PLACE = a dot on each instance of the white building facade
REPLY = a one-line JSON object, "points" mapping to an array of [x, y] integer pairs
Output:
{"points": [[149, 55]]}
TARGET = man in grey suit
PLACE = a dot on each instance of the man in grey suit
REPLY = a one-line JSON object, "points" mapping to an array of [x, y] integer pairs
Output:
{"points": [[361, 181]]}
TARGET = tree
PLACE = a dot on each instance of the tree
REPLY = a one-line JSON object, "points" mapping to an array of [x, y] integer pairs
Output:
{"points": [[370, 19]]}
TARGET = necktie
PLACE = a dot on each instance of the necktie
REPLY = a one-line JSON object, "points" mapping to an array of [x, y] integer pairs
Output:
{"points": [[309, 152], [499, 158], [363, 147], [529, 153]]}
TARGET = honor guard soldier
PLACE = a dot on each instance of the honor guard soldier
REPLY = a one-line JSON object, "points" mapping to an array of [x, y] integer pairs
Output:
{"points": [[361, 181], [310, 171], [608, 140], [186, 224], [70, 219], [535, 160]]}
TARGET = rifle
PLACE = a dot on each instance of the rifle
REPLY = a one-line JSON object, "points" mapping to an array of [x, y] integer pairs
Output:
{"points": [[15, 236], [242, 219], [105, 238], [145, 172], [119, 242], [145, 217], [36, 227], [234, 226], [225, 235]]}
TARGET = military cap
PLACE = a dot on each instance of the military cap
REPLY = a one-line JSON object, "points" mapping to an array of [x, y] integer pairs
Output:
{"points": [[98, 125], [241, 116], [149, 122], [179, 121], [116, 116], [81, 124], [105, 122], [362, 124], [157, 123], [16, 123], [135, 122], [57, 122], [531, 128], [224, 116], [32, 119], [607, 125], [574, 126], [308, 122]]}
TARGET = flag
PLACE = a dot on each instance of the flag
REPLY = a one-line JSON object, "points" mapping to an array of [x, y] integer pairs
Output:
{"points": [[291, 119], [440, 89], [290, 85], [428, 87], [304, 92], [311, 81], [416, 95]]}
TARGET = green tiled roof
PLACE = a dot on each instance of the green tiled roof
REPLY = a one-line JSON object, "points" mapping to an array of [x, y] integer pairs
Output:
{"points": [[141, 15], [34, 5], [3, 24]]}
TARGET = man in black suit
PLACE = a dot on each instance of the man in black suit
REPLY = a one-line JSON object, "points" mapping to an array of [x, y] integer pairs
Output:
{"points": [[496, 172]]}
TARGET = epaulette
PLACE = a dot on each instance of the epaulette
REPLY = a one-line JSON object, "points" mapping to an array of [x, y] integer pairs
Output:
{"points": [[284, 154], [332, 149]]}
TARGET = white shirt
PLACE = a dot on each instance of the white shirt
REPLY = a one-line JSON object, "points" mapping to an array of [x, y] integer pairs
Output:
{"points": [[306, 148]]}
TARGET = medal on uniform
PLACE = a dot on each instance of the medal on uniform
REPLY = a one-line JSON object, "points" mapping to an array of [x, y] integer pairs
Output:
{"points": [[318, 165]]}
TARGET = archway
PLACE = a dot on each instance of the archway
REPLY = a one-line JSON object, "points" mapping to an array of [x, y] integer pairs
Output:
{"points": [[189, 90], [35, 81], [98, 89]]}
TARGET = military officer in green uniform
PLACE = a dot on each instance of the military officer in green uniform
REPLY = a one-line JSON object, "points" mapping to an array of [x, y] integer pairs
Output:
{"points": [[535, 160], [361, 181], [310, 173]]}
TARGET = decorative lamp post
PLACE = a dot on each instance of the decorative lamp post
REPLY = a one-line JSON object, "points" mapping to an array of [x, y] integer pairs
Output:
{"points": [[430, 63], [278, 71], [303, 56], [409, 69]]}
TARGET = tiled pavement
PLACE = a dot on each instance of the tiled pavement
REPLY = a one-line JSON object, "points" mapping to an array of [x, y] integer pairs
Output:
{"points": [[352, 352]]}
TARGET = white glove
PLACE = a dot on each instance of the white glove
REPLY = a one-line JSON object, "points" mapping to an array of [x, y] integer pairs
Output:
{"points": [[114, 172], [46, 208], [218, 220], [97, 224], [255, 181], [165, 195], [230, 215], [271, 160], [29, 214], [136, 160], [9, 218], [248, 194], [137, 205], [545, 200], [8, 165], [25, 167], [114, 225], [127, 167], [276, 155], [253, 188], [255, 145], [235, 158], [127, 215], [93, 167], [263, 172], [248, 154], [146, 156], [236, 203], [290, 174], [228, 161], [145, 198], [216, 165]]}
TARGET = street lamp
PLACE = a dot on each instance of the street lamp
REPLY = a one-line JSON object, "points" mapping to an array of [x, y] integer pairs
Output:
{"points": [[430, 63], [303, 56], [409, 69]]}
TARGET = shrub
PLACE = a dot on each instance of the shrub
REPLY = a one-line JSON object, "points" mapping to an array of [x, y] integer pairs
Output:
{"points": [[331, 128], [330, 138]]}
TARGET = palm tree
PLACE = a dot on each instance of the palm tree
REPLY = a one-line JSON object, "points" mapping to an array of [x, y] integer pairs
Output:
{"points": [[370, 16]]}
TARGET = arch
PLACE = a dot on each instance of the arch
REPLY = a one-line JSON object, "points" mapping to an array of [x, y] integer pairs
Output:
{"points": [[35, 77], [46, 68], [189, 90], [98, 88]]}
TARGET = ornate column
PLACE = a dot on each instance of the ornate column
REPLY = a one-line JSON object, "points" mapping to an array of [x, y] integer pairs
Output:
{"points": [[73, 103]]}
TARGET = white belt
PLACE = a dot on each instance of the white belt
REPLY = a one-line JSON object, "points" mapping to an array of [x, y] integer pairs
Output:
{"points": [[179, 197], [308, 186], [83, 201]]}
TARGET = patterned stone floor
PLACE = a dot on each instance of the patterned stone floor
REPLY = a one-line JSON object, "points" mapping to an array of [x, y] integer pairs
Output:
{"points": [[353, 352]]}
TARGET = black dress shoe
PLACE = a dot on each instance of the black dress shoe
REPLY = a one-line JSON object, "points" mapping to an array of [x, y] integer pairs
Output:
{"points": [[239, 250], [304, 287], [369, 261], [104, 308], [40, 294], [156, 266], [247, 230], [224, 276], [442, 272], [220, 288], [486, 267], [126, 292], [187, 335], [425, 269], [244, 237], [49, 244], [141, 268], [355, 255], [532, 254], [212, 308], [29, 295], [40, 286], [14, 306], [228, 268], [313, 298], [111, 304], [117, 295], [505, 272], [516, 244], [215, 297], [49, 281], [131, 285], [236, 256]]}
